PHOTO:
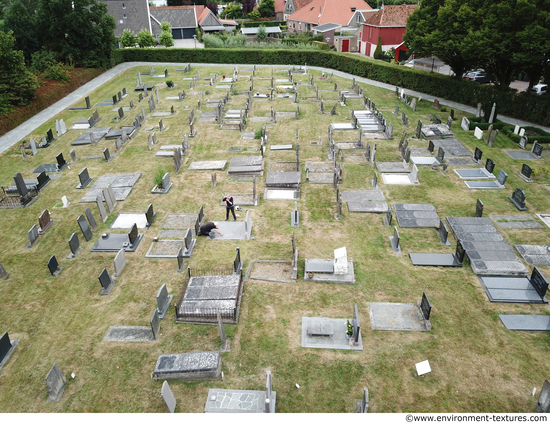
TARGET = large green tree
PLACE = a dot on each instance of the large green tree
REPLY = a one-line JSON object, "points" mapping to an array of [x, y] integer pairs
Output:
{"points": [[21, 19], [17, 84], [267, 8], [77, 30]]}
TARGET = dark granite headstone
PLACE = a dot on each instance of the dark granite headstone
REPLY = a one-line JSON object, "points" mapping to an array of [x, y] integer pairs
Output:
{"points": [[518, 199], [459, 254], [431, 147], [91, 219], [56, 384], [53, 266], [43, 180], [440, 155], [150, 215], [163, 301], [539, 282], [114, 100], [84, 178], [388, 217], [3, 272], [20, 184], [49, 134], [477, 154], [489, 165], [74, 245], [132, 234], [526, 170], [237, 263], [543, 403], [105, 279], [443, 233], [155, 324], [107, 155], [479, 208], [5, 345], [356, 325], [120, 112], [425, 306], [61, 163], [395, 241], [537, 149], [84, 227]]}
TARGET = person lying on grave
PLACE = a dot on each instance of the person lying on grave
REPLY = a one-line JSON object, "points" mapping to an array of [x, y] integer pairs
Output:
{"points": [[229, 206], [209, 229]]}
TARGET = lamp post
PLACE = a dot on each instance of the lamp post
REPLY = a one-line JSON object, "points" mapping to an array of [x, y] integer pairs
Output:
{"points": [[195, 37]]}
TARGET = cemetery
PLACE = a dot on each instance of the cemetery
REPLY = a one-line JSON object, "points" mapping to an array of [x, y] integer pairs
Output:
{"points": [[314, 278]]}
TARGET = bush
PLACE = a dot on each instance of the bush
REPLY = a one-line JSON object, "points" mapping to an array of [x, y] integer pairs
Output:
{"points": [[58, 72], [41, 60], [258, 134], [157, 177], [166, 39], [533, 134], [198, 33], [170, 84], [255, 15], [145, 39], [378, 51], [321, 45], [128, 38]]}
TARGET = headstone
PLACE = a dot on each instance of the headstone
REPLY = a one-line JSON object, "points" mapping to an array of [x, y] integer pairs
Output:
{"points": [[443, 233], [502, 176], [522, 132], [179, 256], [493, 138], [163, 301], [363, 405], [526, 171], [478, 110], [168, 397], [53, 266], [222, 333], [88, 104], [341, 261], [440, 155], [107, 155], [435, 104], [161, 126], [83, 224], [518, 199], [425, 306], [33, 147], [84, 178], [213, 179], [44, 220], [109, 197], [431, 147], [105, 281], [419, 129], [477, 154], [155, 324], [395, 241], [65, 201], [478, 133], [516, 129], [449, 122], [479, 208], [20, 184], [150, 215], [543, 403], [539, 282], [102, 211], [49, 134], [356, 326], [166, 181], [33, 235], [537, 149], [74, 245], [489, 165], [465, 124], [492, 116], [56, 384], [388, 217], [4, 275], [522, 143], [460, 252]]}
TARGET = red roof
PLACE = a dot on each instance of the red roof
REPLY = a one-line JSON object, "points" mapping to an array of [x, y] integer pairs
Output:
{"points": [[328, 11], [390, 16], [202, 15], [279, 5]]}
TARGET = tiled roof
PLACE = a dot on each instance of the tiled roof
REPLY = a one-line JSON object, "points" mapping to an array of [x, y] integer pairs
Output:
{"points": [[177, 16], [279, 5], [390, 16], [299, 4], [328, 11]]}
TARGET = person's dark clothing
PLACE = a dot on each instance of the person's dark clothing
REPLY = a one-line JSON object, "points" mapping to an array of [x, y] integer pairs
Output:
{"points": [[206, 228], [229, 206]]}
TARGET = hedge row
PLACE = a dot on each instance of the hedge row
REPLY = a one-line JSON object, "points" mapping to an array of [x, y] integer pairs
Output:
{"points": [[530, 108]]}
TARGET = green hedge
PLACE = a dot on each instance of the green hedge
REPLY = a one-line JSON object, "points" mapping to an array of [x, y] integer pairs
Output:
{"points": [[264, 23], [483, 125], [321, 45], [527, 107], [542, 137]]}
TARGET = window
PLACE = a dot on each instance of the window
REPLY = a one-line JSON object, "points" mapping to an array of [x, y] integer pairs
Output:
{"points": [[300, 26], [357, 18]]}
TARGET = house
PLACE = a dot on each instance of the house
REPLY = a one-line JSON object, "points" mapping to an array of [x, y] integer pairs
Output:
{"points": [[292, 6], [272, 32], [327, 30], [279, 10], [129, 14], [182, 19], [389, 23], [229, 24], [320, 12], [346, 43], [208, 22]]}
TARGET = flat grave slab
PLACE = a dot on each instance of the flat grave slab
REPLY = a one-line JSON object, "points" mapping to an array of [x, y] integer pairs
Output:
{"points": [[534, 254], [522, 154], [165, 248], [415, 215], [283, 179], [340, 126], [84, 139], [180, 221], [161, 114], [526, 322], [208, 165], [523, 222], [544, 218], [260, 119], [324, 167], [451, 146], [127, 220], [272, 271], [368, 207], [436, 130], [248, 135], [421, 160], [115, 242], [484, 185], [281, 194], [511, 290], [393, 167], [319, 178], [397, 317], [235, 230], [122, 186], [434, 259], [397, 179], [479, 173], [338, 340], [482, 254], [246, 170], [129, 334], [281, 147], [460, 161], [172, 234], [193, 366], [237, 401], [48, 168], [362, 195], [322, 271]]}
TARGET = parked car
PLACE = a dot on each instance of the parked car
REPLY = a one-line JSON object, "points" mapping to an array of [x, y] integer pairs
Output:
{"points": [[478, 76], [540, 89]]}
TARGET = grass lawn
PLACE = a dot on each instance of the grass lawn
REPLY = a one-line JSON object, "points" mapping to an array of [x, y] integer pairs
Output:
{"points": [[477, 365]]}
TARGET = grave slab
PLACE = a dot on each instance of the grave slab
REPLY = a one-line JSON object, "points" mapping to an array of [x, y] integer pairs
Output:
{"points": [[322, 271], [127, 220], [524, 222], [434, 259], [526, 322], [208, 165], [165, 248], [393, 167], [232, 231], [129, 334], [238, 401], [397, 317], [193, 366], [484, 185], [397, 179], [339, 340], [115, 242], [534, 254], [421, 160], [281, 194], [511, 290], [415, 215], [480, 173], [522, 154]]}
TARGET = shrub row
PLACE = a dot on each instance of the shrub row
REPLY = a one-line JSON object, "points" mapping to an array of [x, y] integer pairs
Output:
{"points": [[530, 108]]}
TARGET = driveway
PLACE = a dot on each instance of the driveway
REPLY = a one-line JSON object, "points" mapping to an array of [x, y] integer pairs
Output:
{"points": [[188, 43]]}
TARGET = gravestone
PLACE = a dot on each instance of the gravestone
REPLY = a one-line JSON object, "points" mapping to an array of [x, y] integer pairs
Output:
{"points": [[33, 147], [492, 116], [526, 172], [42, 180], [440, 155], [53, 266], [388, 217], [493, 138], [418, 129], [155, 325], [49, 134], [105, 281], [295, 216], [213, 180], [84, 227], [3, 274], [102, 212], [74, 245], [341, 266], [522, 143], [394, 240], [465, 124], [84, 178], [163, 301], [179, 257], [425, 306], [362, 406], [168, 397], [443, 233], [449, 122], [44, 221], [478, 154], [537, 149], [33, 235], [478, 110], [478, 133], [91, 219], [65, 201], [489, 165], [20, 184], [543, 402], [502, 177], [150, 215], [356, 326], [56, 384], [119, 263], [539, 282], [109, 196], [518, 199], [73, 155], [107, 155], [479, 208], [224, 347]]}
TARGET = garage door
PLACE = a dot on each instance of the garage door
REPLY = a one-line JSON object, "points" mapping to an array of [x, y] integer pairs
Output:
{"points": [[176, 33], [188, 32], [345, 45]]}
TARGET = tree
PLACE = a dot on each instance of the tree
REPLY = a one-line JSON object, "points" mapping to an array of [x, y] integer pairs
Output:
{"points": [[262, 33], [145, 39], [378, 51], [166, 38], [17, 84], [232, 11], [22, 21], [128, 38], [254, 15], [77, 30], [213, 6], [267, 8], [248, 6]]}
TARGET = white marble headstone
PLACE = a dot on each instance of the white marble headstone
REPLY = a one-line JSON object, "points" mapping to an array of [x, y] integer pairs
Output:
{"points": [[340, 261], [65, 201], [423, 368], [522, 132], [516, 129], [465, 124], [478, 133]]}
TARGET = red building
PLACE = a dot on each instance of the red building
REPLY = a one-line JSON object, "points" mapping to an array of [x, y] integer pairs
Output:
{"points": [[389, 22]]}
